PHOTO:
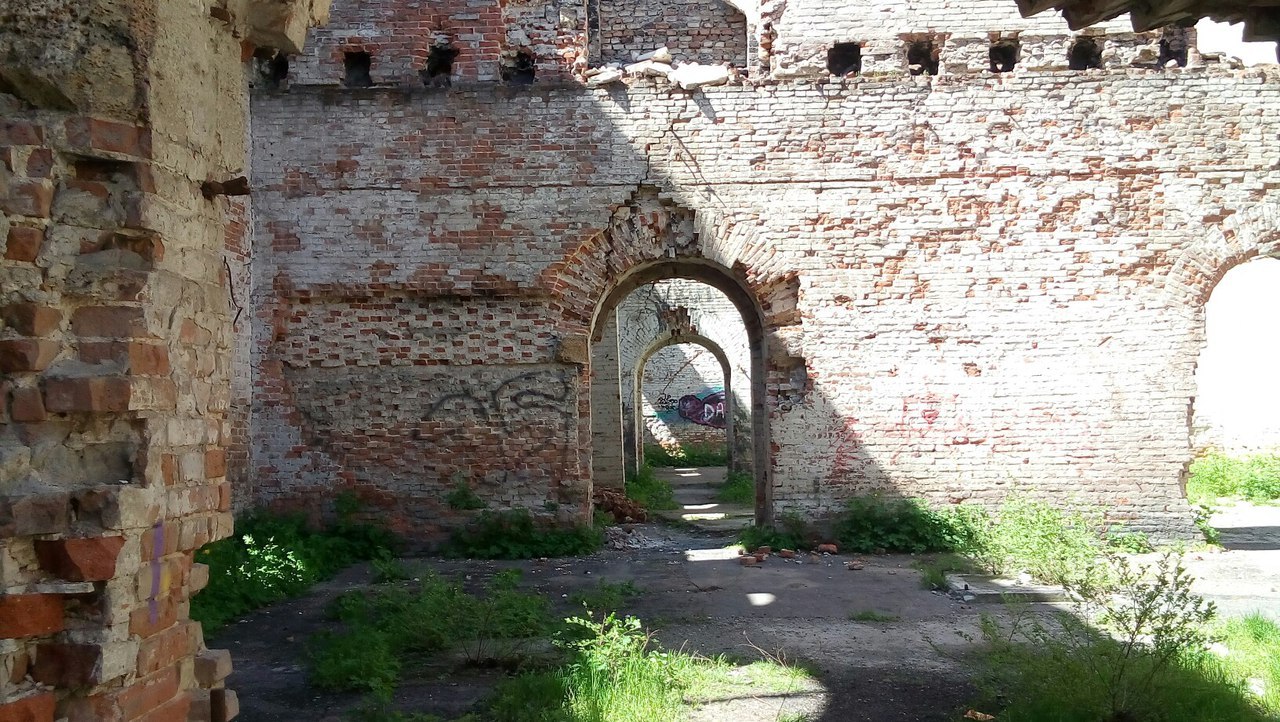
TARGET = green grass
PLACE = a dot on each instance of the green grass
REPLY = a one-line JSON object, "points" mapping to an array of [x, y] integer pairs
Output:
{"points": [[1215, 475], [605, 596], [935, 568], [516, 534], [739, 488], [1253, 644], [385, 629], [614, 672], [686, 455], [871, 615], [653, 493], [273, 557]]}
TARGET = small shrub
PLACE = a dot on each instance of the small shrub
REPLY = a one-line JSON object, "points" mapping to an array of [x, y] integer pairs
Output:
{"points": [[605, 597], [359, 659], [754, 537], [273, 557], [651, 492], [739, 488], [515, 534], [1145, 662], [1054, 545], [1214, 475], [871, 615], [875, 524], [686, 455], [463, 498], [1132, 542]]}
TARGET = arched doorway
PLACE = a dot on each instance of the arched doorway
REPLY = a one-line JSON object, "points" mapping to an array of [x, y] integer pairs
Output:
{"points": [[604, 321]]}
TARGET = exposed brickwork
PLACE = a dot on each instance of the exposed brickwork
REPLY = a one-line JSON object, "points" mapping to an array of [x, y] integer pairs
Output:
{"points": [[968, 281], [696, 31], [114, 343]]}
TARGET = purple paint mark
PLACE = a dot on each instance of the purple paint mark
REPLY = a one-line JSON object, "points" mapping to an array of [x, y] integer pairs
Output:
{"points": [[157, 545]]}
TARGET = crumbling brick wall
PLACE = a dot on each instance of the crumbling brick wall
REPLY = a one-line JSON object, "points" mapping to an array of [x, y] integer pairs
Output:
{"points": [[114, 348], [976, 299], [695, 31]]}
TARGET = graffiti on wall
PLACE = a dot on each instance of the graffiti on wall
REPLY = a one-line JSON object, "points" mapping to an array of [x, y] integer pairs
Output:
{"points": [[707, 409]]}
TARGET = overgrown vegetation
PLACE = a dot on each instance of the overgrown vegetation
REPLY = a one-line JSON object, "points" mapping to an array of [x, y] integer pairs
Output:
{"points": [[791, 533], [686, 455], [739, 488], [645, 487], [463, 497], [273, 557], [386, 628], [871, 615], [1037, 538], [616, 673], [516, 534], [606, 596], [1215, 475], [1253, 654], [1134, 650]]}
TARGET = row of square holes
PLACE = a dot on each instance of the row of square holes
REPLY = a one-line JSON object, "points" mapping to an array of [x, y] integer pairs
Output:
{"points": [[922, 56], [842, 59]]}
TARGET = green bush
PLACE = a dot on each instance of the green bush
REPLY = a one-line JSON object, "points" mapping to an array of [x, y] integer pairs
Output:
{"points": [[1055, 545], [791, 533], [739, 488], [463, 497], [515, 534], [1135, 650], [1253, 653], [404, 623], [274, 557], [1214, 475], [876, 523], [686, 455], [651, 492]]}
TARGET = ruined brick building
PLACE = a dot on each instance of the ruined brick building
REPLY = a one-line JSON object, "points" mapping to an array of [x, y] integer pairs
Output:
{"points": [[963, 264], [969, 250]]}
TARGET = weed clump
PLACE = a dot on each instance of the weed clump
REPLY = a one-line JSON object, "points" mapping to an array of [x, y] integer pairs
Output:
{"points": [[739, 488], [273, 557], [645, 488], [1215, 475], [686, 455], [515, 534], [1134, 650]]}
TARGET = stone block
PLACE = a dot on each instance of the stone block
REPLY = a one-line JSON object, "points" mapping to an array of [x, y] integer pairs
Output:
{"points": [[104, 135], [80, 560], [224, 705], [28, 406], [164, 649], [88, 395], [24, 243], [199, 578], [145, 359], [30, 615], [215, 463], [27, 354], [109, 322], [212, 666], [20, 132], [37, 707], [26, 515], [30, 319], [67, 665], [32, 197]]}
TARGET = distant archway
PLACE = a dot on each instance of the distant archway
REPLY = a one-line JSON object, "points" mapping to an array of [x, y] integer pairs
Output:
{"points": [[739, 294], [637, 391]]}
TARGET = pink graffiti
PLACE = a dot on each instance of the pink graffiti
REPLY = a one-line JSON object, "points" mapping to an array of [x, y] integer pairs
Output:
{"points": [[705, 411]]}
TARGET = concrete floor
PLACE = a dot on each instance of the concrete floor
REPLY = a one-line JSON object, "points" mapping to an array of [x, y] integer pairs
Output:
{"points": [[697, 597]]}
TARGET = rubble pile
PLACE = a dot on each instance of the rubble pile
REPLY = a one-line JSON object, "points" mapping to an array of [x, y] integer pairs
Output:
{"points": [[660, 64]]}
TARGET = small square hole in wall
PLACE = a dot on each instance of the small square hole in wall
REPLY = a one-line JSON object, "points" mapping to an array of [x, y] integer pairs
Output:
{"points": [[356, 66], [272, 70], [1173, 48], [844, 58], [1085, 53], [922, 57], [521, 69], [439, 68], [1003, 56]]}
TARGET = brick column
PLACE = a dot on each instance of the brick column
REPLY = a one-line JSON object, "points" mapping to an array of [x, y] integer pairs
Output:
{"points": [[114, 349]]}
